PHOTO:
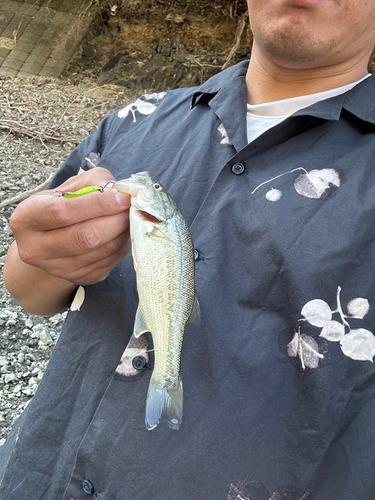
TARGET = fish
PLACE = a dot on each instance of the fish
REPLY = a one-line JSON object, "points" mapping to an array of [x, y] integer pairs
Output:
{"points": [[163, 259]]}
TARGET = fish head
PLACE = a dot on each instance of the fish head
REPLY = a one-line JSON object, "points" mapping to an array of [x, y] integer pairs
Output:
{"points": [[148, 197]]}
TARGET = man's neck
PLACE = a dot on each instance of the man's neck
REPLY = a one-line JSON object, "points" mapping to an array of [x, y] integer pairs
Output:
{"points": [[269, 82]]}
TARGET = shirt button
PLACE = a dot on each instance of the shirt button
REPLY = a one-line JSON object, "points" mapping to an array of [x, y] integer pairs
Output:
{"points": [[238, 168], [139, 362], [87, 487], [196, 255]]}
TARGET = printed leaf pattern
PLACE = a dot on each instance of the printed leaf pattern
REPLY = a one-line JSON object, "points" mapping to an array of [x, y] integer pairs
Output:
{"points": [[136, 347], [317, 312], [333, 331], [78, 299], [308, 349], [251, 489], [223, 135], [273, 195], [142, 105], [359, 344], [305, 351], [358, 307], [315, 184]]}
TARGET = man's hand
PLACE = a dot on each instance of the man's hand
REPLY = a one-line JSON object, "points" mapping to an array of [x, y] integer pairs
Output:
{"points": [[77, 240]]}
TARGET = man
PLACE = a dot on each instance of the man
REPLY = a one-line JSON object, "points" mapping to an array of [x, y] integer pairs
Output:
{"points": [[279, 195]]}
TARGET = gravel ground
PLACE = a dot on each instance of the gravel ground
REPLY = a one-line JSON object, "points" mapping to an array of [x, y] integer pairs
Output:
{"points": [[41, 121]]}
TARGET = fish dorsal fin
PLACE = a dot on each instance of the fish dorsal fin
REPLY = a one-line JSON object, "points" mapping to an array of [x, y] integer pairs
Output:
{"points": [[195, 315], [140, 325]]}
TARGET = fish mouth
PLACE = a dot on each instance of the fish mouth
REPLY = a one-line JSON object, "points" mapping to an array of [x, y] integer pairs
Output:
{"points": [[144, 214], [149, 217]]}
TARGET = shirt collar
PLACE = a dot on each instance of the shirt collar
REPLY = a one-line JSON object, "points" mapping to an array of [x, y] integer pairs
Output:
{"points": [[225, 93], [219, 81], [360, 101]]}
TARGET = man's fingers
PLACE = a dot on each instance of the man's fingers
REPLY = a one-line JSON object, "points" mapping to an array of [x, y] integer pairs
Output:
{"points": [[76, 239], [46, 212], [92, 267]]}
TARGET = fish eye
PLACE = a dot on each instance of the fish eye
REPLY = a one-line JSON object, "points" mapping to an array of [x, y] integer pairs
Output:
{"points": [[158, 187]]}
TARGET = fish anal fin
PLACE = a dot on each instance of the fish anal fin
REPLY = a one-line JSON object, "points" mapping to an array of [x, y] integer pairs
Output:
{"points": [[140, 325], [195, 315]]}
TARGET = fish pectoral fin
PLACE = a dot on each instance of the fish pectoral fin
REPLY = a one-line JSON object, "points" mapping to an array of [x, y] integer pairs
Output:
{"points": [[195, 315], [157, 233], [140, 325]]}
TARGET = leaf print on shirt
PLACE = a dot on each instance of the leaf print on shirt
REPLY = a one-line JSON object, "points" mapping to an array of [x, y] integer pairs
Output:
{"points": [[273, 194], [305, 350], [315, 184], [356, 343], [221, 136], [146, 104], [251, 489]]}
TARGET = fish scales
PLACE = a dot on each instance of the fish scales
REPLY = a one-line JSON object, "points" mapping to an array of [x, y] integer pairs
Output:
{"points": [[163, 257], [164, 278]]}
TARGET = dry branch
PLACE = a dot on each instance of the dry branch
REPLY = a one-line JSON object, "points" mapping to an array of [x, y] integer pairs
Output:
{"points": [[15, 127], [22, 196], [237, 39]]}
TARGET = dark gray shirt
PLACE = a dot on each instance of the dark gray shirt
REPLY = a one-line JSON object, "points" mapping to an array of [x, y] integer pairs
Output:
{"points": [[279, 382]]}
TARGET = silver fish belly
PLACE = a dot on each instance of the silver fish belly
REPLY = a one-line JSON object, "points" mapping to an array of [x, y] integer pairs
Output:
{"points": [[163, 257]]}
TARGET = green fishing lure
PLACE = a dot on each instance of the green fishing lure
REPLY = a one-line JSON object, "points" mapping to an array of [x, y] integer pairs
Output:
{"points": [[81, 192]]}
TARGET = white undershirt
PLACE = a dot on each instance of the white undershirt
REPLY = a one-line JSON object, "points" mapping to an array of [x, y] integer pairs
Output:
{"points": [[261, 117]]}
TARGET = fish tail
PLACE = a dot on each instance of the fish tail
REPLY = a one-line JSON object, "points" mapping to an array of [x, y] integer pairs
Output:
{"points": [[164, 404]]}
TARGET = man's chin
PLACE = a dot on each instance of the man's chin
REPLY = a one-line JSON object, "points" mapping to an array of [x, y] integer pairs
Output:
{"points": [[294, 51]]}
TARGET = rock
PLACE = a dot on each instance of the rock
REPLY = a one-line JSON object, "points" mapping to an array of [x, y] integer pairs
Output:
{"points": [[165, 47], [57, 318], [104, 77], [11, 377], [17, 389], [28, 391], [21, 357], [33, 381], [3, 360], [88, 51], [114, 60], [10, 314], [42, 333]]}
